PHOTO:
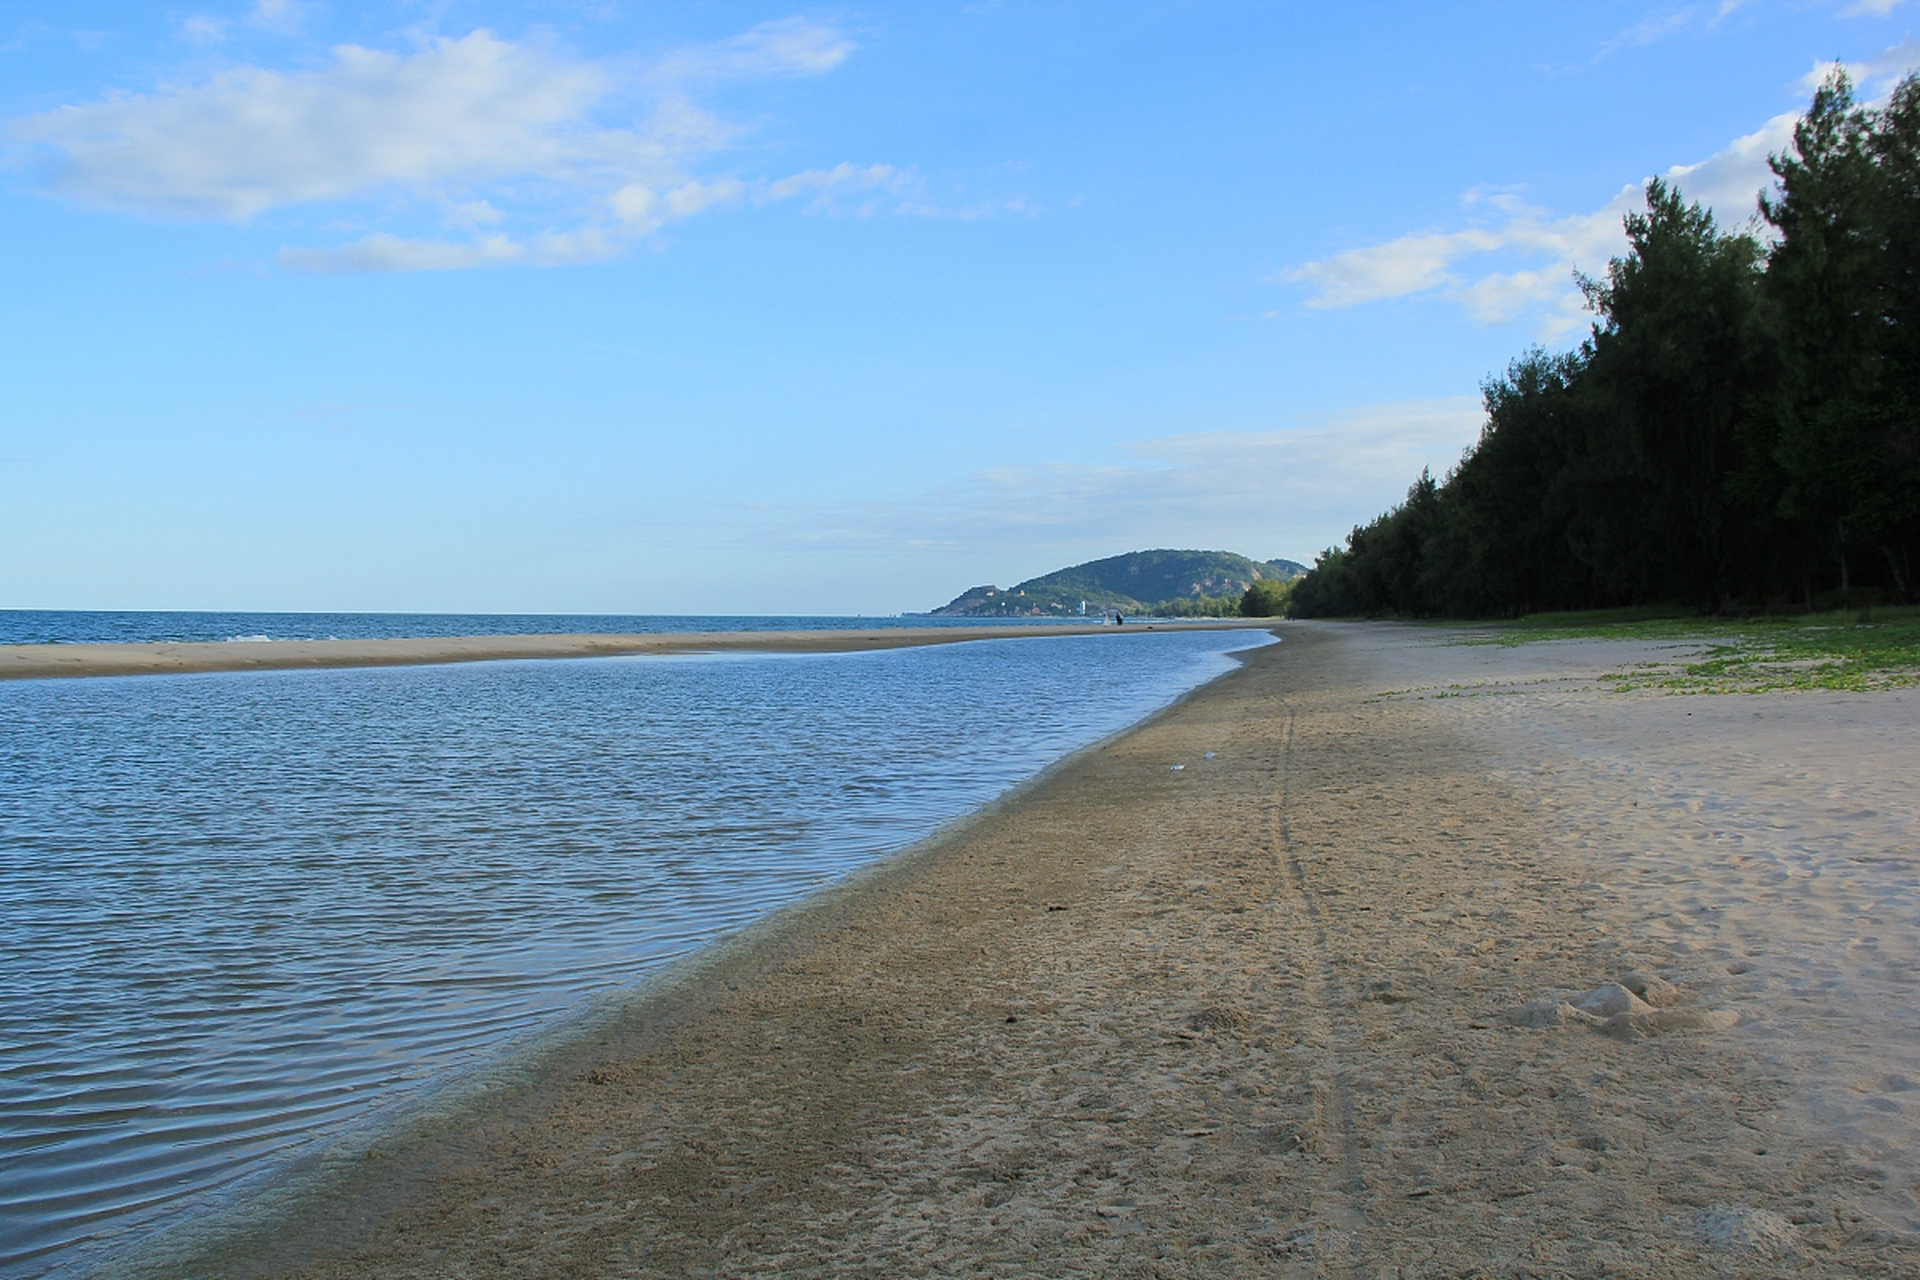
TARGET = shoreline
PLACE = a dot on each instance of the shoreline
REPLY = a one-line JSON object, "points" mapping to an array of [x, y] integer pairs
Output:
{"points": [[326, 1192], [1226, 994], [44, 661]]}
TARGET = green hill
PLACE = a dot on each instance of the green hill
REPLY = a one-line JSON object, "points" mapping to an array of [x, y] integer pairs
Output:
{"points": [[1130, 583]]}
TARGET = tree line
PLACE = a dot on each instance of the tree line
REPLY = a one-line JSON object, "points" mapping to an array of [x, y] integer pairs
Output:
{"points": [[1263, 598], [1741, 428]]}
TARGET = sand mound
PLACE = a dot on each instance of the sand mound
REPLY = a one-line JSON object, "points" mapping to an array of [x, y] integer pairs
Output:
{"points": [[1638, 1005], [1218, 1018], [1736, 1227], [1657, 992]]}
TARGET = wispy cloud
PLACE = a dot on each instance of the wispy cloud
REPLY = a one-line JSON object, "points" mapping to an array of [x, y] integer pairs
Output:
{"points": [[490, 134], [1654, 28], [283, 15], [792, 46], [1285, 492], [383, 252], [1671, 22], [275, 17], [202, 29], [843, 178]]}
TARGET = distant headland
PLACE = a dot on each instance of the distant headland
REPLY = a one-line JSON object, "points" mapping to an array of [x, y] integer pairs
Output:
{"points": [[1162, 583]]}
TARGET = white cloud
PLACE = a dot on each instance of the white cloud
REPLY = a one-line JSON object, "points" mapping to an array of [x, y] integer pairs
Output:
{"points": [[487, 131], [1427, 261], [252, 140], [1871, 8], [1730, 181], [642, 208], [1406, 265], [1521, 261], [1873, 78], [1284, 492]]}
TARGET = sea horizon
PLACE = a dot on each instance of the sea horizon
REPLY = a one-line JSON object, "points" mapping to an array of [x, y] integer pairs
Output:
{"points": [[123, 626]]}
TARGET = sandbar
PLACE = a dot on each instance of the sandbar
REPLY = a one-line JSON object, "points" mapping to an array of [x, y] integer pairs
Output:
{"points": [[21, 661], [1236, 993]]}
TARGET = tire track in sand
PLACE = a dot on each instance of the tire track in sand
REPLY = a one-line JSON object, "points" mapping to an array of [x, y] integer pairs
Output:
{"points": [[1331, 1027]]}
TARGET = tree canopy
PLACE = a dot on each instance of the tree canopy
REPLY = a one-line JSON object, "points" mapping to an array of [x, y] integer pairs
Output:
{"points": [[1739, 425], [1265, 598]]}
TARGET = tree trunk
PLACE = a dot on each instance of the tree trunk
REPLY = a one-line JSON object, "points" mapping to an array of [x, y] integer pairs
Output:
{"points": [[1896, 565]]}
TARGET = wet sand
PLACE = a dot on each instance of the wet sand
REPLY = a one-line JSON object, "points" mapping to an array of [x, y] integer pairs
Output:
{"points": [[21, 661], [1239, 993]]}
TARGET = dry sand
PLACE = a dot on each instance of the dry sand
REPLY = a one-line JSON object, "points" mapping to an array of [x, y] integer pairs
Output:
{"points": [[1236, 993], [1767, 847], [21, 661]]}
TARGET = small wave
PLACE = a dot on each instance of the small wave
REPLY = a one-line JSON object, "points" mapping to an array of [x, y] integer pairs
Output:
{"points": [[249, 639]]}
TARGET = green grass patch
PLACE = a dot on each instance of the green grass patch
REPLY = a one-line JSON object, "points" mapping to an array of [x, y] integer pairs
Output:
{"points": [[1589, 618], [1859, 649]]}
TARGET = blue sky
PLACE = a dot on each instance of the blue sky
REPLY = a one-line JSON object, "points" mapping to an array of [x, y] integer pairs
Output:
{"points": [[730, 307]]}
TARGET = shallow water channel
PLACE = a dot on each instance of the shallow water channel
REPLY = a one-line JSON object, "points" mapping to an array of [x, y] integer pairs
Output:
{"points": [[241, 911]]}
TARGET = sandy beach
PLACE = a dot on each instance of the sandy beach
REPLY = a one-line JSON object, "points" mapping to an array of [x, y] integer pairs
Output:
{"points": [[28, 661], [1383, 955]]}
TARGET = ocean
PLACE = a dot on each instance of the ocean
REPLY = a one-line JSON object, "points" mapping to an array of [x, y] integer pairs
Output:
{"points": [[61, 626], [244, 913]]}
